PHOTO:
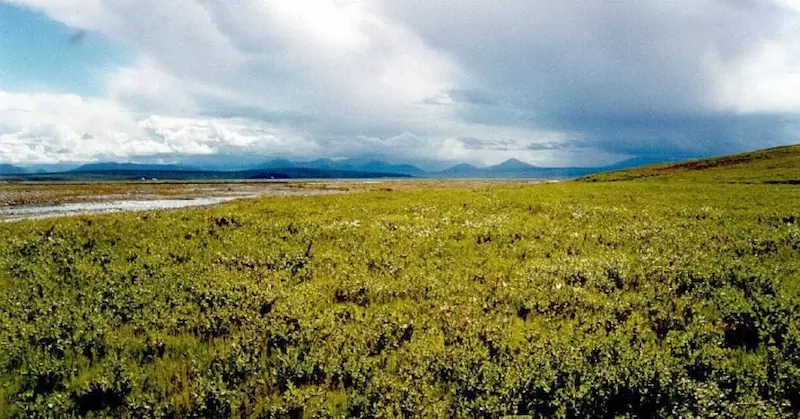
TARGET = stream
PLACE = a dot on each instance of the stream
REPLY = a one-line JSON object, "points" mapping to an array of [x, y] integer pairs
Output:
{"points": [[49, 211]]}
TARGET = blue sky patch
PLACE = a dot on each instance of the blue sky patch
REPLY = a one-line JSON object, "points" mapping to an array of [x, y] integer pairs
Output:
{"points": [[38, 54]]}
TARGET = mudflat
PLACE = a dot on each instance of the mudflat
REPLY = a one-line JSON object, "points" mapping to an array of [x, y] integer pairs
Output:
{"points": [[28, 200]]}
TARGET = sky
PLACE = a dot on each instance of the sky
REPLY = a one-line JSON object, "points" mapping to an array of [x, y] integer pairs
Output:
{"points": [[433, 83]]}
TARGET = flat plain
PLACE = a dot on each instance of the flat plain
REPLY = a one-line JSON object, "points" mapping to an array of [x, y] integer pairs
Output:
{"points": [[628, 294]]}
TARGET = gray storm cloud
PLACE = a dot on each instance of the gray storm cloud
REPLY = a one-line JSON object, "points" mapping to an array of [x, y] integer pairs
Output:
{"points": [[632, 76]]}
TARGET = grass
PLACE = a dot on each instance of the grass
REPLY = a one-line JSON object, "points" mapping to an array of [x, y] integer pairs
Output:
{"points": [[634, 298], [780, 165], [30, 193]]}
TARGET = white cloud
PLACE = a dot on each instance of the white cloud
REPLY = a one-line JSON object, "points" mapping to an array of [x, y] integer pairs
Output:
{"points": [[56, 143], [233, 135], [768, 79], [48, 128]]}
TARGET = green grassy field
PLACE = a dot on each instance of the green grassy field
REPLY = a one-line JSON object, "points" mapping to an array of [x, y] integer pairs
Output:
{"points": [[779, 165], [649, 297]]}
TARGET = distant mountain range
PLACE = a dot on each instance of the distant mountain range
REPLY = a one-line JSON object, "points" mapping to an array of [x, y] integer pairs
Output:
{"points": [[514, 168], [358, 165], [8, 169], [130, 173], [458, 170], [113, 166], [320, 168]]}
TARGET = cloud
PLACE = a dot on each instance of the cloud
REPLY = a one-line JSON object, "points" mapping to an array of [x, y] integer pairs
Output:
{"points": [[48, 128], [51, 128], [552, 83], [630, 76]]}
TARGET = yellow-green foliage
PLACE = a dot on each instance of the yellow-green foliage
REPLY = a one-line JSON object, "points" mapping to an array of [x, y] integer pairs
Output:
{"points": [[575, 299], [779, 165]]}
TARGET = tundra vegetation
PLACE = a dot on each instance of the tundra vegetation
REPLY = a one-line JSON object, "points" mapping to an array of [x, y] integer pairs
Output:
{"points": [[668, 295]]}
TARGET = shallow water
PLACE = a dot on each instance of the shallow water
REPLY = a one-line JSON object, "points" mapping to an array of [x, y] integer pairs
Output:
{"points": [[81, 208]]}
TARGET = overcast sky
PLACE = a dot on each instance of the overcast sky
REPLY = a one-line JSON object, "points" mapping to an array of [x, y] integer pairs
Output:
{"points": [[553, 83]]}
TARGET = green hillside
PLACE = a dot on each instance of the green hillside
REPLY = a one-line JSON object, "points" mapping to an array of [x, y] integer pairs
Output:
{"points": [[774, 165]]}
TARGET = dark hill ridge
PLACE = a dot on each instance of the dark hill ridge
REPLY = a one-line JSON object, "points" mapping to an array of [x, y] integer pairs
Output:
{"points": [[380, 166], [9, 169], [641, 161], [512, 165], [513, 168], [191, 175], [360, 165], [461, 168], [276, 164], [773, 165], [114, 166]]}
